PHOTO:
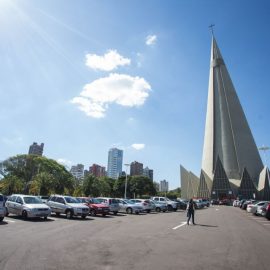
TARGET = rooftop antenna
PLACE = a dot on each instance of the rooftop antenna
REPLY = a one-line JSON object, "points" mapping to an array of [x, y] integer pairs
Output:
{"points": [[211, 26]]}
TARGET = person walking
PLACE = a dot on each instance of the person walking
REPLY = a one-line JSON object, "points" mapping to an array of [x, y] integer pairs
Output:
{"points": [[190, 211]]}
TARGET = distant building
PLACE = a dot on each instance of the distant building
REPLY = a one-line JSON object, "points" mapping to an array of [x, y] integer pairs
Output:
{"points": [[36, 149], [164, 186], [97, 170], [148, 173], [136, 168], [77, 171], [86, 173], [115, 162]]}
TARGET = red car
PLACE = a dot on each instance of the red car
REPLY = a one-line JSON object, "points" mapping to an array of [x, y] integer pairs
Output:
{"points": [[266, 211], [96, 208]]}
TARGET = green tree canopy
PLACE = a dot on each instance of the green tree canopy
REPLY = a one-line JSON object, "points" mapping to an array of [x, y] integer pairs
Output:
{"points": [[36, 175]]}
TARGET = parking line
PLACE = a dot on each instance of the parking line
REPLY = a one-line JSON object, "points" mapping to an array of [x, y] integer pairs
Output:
{"points": [[181, 225], [266, 224], [11, 221]]}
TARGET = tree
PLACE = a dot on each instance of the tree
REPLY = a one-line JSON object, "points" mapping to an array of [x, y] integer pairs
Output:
{"points": [[91, 186], [38, 175], [11, 184], [142, 185]]}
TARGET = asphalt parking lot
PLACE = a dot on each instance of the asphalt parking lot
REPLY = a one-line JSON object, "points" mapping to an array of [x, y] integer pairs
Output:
{"points": [[224, 238]]}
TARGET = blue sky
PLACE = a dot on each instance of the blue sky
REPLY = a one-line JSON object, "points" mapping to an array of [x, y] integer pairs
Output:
{"points": [[85, 76]]}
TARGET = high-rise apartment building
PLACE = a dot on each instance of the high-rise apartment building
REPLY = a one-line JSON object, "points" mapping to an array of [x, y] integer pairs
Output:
{"points": [[148, 173], [115, 162], [97, 170], [36, 149], [164, 186], [136, 168], [77, 171]]}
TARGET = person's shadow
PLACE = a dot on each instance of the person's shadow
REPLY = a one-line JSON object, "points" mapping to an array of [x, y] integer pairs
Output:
{"points": [[206, 225]]}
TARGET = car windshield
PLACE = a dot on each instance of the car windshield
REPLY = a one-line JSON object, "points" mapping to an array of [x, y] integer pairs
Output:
{"points": [[95, 201], [32, 200], [82, 200], [128, 201], [71, 200]]}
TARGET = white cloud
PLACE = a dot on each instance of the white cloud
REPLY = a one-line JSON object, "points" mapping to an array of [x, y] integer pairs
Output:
{"points": [[138, 146], [65, 162], [121, 89], [151, 40], [109, 61]]}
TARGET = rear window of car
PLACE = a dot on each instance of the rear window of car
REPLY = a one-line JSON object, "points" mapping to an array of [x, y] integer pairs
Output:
{"points": [[113, 201], [1, 198]]}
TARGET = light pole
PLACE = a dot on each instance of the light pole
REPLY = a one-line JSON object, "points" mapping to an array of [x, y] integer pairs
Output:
{"points": [[127, 165], [264, 149]]}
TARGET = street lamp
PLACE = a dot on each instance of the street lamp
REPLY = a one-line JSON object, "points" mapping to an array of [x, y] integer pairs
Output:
{"points": [[127, 165]]}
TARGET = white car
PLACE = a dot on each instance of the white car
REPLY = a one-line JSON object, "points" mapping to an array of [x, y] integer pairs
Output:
{"points": [[257, 207], [145, 204], [2, 208], [27, 206], [171, 205]]}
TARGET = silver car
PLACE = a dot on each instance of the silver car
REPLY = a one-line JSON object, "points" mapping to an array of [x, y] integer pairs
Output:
{"points": [[27, 206], [67, 205], [129, 207], [2, 208], [159, 206], [145, 204]]}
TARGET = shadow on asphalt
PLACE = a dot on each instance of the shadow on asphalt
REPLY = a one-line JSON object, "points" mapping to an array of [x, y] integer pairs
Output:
{"points": [[30, 219], [205, 225], [3, 223]]}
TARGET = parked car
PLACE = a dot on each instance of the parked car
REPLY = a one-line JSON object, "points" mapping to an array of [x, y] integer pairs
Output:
{"points": [[260, 209], [236, 203], [245, 204], [215, 202], [206, 202], [27, 206], [254, 207], [112, 203], [198, 203], [44, 198], [129, 207], [225, 202], [67, 205], [95, 206], [145, 204], [266, 211], [2, 208], [172, 206], [158, 206]]}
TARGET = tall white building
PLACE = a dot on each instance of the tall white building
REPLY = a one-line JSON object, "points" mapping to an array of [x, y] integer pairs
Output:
{"points": [[164, 186], [115, 163], [77, 171]]}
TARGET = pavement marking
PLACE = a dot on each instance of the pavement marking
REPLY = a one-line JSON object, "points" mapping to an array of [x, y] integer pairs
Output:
{"points": [[217, 209], [266, 224], [11, 221], [181, 225]]}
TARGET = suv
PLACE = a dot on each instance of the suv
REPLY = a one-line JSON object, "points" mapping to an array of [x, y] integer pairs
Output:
{"points": [[2, 208], [27, 206], [172, 205], [67, 205], [95, 206], [111, 203]]}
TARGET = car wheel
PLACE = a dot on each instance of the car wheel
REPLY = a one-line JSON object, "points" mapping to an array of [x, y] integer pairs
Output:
{"points": [[57, 214], [83, 216], [129, 210], [148, 211], [170, 208], [45, 218], [174, 209], [163, 211], [93, 212], [24, 214], [104, 215], [115, 213], [158, 209], [7, 213], [69, 214], [1, 219]]}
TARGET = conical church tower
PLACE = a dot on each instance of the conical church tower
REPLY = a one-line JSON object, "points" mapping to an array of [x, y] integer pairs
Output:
{"points": [[228, 137]]}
